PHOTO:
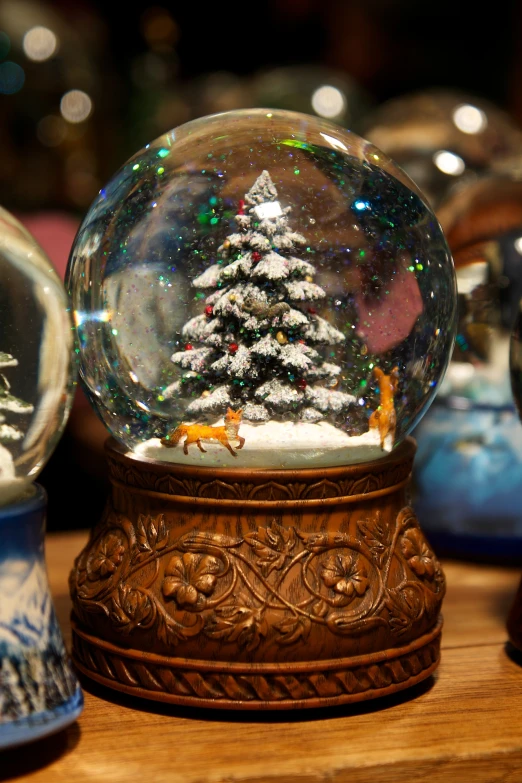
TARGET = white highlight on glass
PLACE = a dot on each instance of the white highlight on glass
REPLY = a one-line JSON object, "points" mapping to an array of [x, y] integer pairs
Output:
{"points": [[102, 316], [270, 209], [518, 245], [75, 106], [449, 163], [470, 119], [328, 101], [471, 276], [334, 142], [39, 44]]}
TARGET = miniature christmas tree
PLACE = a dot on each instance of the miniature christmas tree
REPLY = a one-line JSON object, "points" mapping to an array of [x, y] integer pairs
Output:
{"points": [[8, 402], [254, 346]]}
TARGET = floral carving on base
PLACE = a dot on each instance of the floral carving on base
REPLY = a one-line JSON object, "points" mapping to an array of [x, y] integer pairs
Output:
{"points": [[223, 587]]}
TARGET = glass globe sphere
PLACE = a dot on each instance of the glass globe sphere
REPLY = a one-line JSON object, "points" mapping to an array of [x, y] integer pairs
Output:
{"points": [[468, 470], [515, 361], [36, 358], [483, 225], [443, 138], [261, 289]]}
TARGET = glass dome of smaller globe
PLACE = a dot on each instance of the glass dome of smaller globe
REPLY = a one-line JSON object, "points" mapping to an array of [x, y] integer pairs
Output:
{"points": [[482, 222], [443, 138], [468, 469], [515, 360], [36, 359], [261, 289]]}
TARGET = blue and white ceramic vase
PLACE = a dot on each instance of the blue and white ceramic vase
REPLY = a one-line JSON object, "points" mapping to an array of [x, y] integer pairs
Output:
{"points": [[39, 692]]}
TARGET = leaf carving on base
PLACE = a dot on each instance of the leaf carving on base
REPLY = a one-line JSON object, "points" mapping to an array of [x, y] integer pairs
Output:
{"points": [[241, 624], [151, 536], [294, 629], [130, 608], [272, 545], [405, 606], [377, 537]]}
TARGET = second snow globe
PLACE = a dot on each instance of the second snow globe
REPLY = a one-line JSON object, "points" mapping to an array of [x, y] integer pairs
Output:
{"points": [[39, 692], [265, 306]]}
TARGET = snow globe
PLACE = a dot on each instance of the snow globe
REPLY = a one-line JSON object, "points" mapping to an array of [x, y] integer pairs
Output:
{"points": [[514, 620], [468, 469], [265, 306], [39, 693], [443, 138]]}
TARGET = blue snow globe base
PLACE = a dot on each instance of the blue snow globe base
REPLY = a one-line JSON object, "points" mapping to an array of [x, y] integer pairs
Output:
{"points": [[39, 692], [467, 480]]}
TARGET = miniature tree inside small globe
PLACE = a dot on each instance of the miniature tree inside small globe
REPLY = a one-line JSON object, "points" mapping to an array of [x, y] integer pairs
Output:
{"points": [[261, 289], [36, 353]]}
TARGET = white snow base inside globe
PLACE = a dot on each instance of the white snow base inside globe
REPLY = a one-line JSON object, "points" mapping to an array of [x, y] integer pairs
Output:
{"points": [[11, 486], [276, 445]]}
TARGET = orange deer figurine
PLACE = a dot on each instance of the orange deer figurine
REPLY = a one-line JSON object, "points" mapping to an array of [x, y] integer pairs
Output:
{"points": [[384, 418], [195, 433]]}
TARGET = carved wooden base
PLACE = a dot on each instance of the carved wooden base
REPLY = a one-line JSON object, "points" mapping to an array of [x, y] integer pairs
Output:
{"points": [[257, 589]]}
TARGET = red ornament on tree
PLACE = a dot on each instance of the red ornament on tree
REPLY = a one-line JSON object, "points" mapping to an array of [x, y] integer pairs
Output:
{"points": [[233, 347], [256, 256], [301, 384], [188, 347], [241, 207], [312, 311], [208, 310]]}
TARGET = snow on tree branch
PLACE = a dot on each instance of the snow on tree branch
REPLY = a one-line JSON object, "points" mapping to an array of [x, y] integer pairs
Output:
{"points": [[320, 331], [272, 267], [217, 401], [209, 278], [6, 360], [279, 394], [302, 290], [326, 400], [195, 359]]}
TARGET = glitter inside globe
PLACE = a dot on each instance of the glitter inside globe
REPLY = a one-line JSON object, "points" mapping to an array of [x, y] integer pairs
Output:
{"points": [[36, 368], [261, 289]]}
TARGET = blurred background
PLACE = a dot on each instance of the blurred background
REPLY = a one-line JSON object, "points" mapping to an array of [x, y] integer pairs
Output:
{"points": [[85, 84]]}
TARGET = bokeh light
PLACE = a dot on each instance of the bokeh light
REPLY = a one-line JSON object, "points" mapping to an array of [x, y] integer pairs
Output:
{"points": [[75, 106], [40, 44], [12, 78], [449, 163], [51, 130], [328, 101], [470, 119], [159, 29]]}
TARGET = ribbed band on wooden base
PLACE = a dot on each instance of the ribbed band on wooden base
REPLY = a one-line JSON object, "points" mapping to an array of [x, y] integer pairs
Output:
{"points": [[251, 589], [257, 686]]}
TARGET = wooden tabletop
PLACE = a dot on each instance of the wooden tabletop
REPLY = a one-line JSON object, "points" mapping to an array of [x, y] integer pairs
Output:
{"points": [[464, 724]]}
